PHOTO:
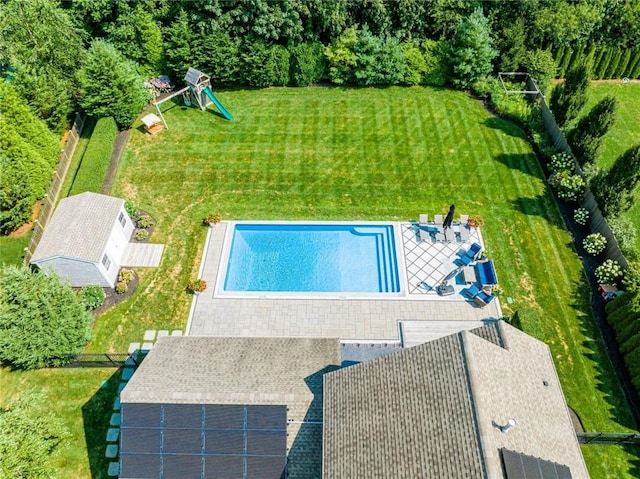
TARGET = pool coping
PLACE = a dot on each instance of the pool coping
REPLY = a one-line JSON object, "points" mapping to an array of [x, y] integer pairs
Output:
{"points": [[219, 291]]}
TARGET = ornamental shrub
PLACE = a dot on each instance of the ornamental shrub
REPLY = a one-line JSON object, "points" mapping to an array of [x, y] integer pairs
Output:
{"points": [[308, 63], [562, 161], [92, 296], [581, 216], [625, 232], [130, 208], [144, 221], [586, 137], [631, 277], [594, 244], [435, 58], [125, 276], [142, 235], [570, 187], [608, 272], [121, 287]]}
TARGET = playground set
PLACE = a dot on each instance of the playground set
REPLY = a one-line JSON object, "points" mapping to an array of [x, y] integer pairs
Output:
{"points": [[197, 92]]}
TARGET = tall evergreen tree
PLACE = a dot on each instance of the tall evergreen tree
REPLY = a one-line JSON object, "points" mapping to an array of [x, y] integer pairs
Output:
{"points": [[41, 321], [586, 137], [472, 51], [568, 98], [111, 85], [614, 189]]}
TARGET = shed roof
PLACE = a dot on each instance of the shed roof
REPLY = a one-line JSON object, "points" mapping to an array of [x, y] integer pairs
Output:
{"points": [[79, 228], [434, 410]]}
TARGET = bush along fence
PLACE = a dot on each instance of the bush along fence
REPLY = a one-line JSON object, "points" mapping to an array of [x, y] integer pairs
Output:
{"points": [[51, 198], [597, 222]]}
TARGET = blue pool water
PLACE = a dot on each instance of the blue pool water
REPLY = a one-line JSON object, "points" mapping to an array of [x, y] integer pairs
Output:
{"points": [[313, 258]]}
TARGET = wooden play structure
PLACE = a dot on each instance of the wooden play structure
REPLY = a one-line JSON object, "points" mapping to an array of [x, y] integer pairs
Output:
{"points": [[152, 124], [197, 92]]}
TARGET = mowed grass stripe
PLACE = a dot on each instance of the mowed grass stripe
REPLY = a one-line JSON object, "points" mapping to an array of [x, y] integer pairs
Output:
{"points": [[373, 154]]}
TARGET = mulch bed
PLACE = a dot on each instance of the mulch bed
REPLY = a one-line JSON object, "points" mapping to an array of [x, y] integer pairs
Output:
{"points": [[112, 298]]}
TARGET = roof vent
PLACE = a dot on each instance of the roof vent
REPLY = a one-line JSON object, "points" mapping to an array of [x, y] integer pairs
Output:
{"points": [[510, 423]]}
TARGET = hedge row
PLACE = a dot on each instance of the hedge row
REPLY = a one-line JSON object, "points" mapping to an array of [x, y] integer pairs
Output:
{"points": [[606, 62], [95, 161], [624, 316]]}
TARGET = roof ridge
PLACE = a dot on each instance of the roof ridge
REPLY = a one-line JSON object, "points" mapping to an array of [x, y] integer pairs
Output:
{"points": [[480, 421]]}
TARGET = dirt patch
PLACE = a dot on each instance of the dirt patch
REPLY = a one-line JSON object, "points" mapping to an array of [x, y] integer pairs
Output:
{"points": [[25, 228]]}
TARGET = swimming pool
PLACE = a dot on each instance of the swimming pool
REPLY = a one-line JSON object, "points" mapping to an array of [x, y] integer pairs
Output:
{"points": [[323, 258]]}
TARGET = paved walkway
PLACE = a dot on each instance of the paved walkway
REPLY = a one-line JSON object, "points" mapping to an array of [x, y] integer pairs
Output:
{"points": [[143, 255], [359, 318]]}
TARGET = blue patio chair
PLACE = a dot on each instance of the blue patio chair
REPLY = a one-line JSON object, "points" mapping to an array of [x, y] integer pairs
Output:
{"points": [[482, 299], [471, 254], [472, 291], [486, 273]]}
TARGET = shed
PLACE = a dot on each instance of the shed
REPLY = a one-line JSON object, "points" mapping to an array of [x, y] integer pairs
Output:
{"points": [[86, 240]]}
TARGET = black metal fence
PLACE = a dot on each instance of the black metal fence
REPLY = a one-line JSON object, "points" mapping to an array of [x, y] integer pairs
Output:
{"points": [[597, 222], [609, 438], [103, 360]]}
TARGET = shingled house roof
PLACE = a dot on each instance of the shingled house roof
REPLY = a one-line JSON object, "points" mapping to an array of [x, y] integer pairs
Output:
{"points": [[245, 371], [435, 410], [79, 228]]}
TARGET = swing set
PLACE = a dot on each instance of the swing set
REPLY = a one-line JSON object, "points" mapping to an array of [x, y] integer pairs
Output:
{"points": [[197, 92]]}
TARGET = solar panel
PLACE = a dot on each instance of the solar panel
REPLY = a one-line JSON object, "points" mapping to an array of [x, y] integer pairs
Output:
{"points": [[182, 416], [181, 467], [522, 466], [140, 440], [140, 466], [183, 441]]}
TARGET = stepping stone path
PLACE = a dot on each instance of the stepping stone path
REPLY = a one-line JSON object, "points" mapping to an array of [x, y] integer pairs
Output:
{"points": [[113, 434]]}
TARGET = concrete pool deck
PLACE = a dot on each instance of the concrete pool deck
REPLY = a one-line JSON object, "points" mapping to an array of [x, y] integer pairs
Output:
{"points": [[350, 318]]}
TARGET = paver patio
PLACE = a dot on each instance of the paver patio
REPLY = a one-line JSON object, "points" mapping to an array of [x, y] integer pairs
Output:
{"points": [[358, 317]]}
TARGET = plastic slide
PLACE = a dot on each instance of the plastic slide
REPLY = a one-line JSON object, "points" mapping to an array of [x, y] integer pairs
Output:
{"points": [[207, 91]]}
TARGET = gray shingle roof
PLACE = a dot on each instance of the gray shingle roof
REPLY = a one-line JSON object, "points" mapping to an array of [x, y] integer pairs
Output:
{"points": [[433, 410], [79, 228], [279, 371]]}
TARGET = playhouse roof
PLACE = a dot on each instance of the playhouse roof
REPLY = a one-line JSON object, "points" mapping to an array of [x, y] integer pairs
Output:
{"points": [[193, 76], [79, 228]]}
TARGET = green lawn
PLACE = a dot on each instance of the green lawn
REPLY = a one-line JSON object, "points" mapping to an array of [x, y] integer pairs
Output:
{"points": [[393, 153], [83, 399], [625, 132], [12, 249]]}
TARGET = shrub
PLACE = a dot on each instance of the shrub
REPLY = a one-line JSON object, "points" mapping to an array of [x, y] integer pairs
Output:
{"points": [[96, 158], [125, 276], [614, 189], [308, 63], [625, 232], [475, 221], [144, 221], [594, 244], [41, 321], [631, 277], [435, 57], [264, 65], [415, 64], [541, 67], [197, 285], [562, 161], [581, 216], [130, 208], [608, 272], [92, 296], [212, 218], [570, 187], [121, 287], [141, 235]]}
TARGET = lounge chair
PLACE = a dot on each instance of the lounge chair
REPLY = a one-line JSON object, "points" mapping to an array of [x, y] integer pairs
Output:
{"points": [[424, 219], [482, 299], [486, 273], [472, 291]]}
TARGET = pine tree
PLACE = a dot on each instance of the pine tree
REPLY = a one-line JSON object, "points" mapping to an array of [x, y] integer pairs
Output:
{"points": [[614, 189], [586, 137], [568, 98], [41, 321], [472, 50]]}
